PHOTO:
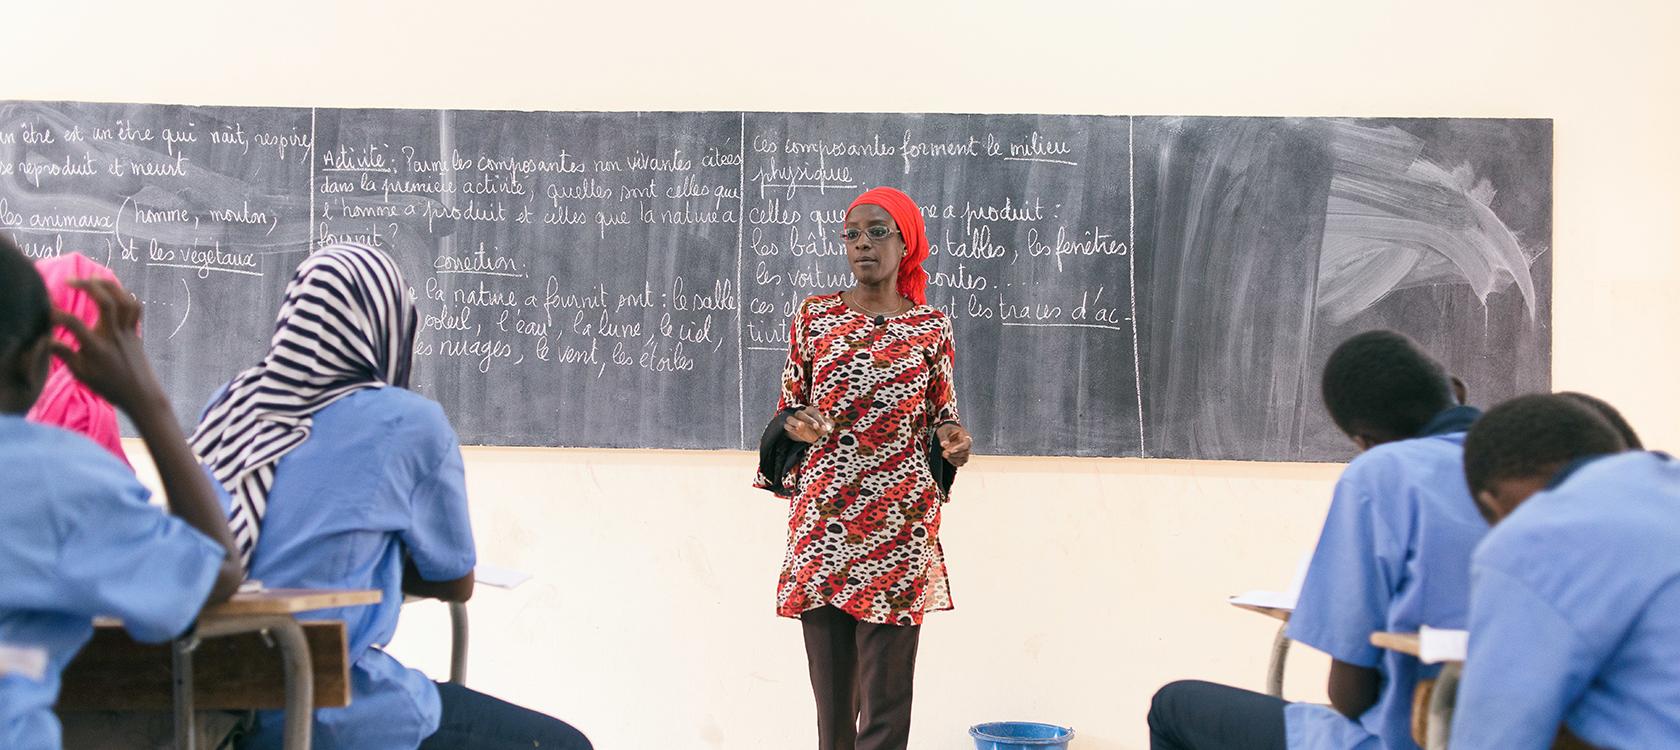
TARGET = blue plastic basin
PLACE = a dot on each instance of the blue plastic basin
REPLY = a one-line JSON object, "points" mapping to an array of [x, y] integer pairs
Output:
{"points": [[1020, 735]]}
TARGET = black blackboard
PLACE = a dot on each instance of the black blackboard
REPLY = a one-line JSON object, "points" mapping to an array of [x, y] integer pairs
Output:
{"points": [[1120, 286]]}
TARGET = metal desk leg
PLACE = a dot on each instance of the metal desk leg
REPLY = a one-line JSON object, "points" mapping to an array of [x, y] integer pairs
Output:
{"points": [[1280, 653], [300, 679], [458, 643], [1441, 707], [180, 656]]}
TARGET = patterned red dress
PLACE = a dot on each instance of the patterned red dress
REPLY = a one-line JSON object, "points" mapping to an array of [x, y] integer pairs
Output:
{"points": [[863, 527]]}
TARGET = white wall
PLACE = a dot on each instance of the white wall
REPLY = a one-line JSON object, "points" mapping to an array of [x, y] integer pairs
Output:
{"points": [[1081, 585]]}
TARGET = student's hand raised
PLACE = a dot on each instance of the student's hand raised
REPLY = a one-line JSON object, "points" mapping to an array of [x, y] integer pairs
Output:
{"points": [[955, 442], [808, 425], [109, 358]]}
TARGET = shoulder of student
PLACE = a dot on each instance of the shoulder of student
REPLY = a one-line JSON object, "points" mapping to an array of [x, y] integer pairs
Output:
{"points": [[1609, 509], [405, 415], [81, 475], [1405, 462]]}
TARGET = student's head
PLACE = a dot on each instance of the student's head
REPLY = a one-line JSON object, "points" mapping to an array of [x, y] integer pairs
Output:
{"points": [[1379, 386], [25, 328], [66, 401], [1516, 448], [1610, 415], [346, 317]]}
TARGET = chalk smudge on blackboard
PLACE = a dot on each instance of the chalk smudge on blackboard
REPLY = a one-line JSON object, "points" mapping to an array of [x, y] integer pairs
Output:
{"points": [[1396, 220]]}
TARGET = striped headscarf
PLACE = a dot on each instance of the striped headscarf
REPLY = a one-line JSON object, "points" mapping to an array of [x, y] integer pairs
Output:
{"points": [[346, 324]]}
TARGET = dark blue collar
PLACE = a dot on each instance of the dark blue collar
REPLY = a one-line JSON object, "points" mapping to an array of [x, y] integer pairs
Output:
{"points": [[1450, 420], [1570, 468]]}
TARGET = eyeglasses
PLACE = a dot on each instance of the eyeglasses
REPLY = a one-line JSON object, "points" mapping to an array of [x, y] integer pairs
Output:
{"points": [[877, 233]]}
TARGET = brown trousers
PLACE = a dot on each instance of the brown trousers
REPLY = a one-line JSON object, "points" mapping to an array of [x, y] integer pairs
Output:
{"points": [[862, 674]]}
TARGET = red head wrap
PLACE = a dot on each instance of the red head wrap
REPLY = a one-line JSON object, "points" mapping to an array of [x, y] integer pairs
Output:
{"points": [[912, 279]]}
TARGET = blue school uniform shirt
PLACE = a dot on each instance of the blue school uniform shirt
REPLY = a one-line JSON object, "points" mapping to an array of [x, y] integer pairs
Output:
{"points": [[78, 540], [1394, 555], [380, 476], [1575, 614]]}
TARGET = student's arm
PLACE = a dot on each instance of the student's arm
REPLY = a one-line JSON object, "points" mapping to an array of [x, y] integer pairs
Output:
{"points": [[457, 590], [1353, 689], [1526, 666], [1347, 592], [109, 359], [438, 544]]}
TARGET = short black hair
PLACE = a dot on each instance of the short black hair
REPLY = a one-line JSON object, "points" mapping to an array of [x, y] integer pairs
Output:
{"points": [[1532, 436], [25, 308], [1610, 415], [1382, 384]]}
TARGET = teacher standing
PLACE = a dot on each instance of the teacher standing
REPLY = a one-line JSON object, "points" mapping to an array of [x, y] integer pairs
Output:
{"points": [[865, 443]]}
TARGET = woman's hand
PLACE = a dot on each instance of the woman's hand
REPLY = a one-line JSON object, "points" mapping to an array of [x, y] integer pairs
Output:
{"points": [[109, 358], [955, 442], [808, 425]]}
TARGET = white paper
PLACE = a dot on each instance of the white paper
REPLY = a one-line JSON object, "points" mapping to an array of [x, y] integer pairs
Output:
{"points": [[502, 578], [1269, 599], [28, 661], [1278, 599], [1436, 645]]}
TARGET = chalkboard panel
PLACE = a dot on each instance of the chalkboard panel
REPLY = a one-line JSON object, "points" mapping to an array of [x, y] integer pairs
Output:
{"points": [[1119, 286]]}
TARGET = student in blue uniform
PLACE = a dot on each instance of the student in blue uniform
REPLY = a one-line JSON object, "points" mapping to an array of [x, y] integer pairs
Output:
{"points": [[1575, 594], [340, 477], [1394, 555], [77, 537]]}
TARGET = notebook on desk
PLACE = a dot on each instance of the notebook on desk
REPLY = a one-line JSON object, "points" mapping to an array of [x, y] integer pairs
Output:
{"points": [[1282, 600]]}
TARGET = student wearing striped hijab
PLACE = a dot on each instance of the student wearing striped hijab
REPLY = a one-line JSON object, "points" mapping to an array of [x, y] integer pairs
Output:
{"points": [[340, 477]]}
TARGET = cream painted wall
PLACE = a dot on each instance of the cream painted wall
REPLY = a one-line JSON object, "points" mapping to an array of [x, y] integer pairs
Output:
{"points": [[1081, 584]]}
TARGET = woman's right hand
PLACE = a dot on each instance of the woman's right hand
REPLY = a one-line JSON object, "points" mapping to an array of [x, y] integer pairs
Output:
{"points": [[808, 425], [109, 358]]}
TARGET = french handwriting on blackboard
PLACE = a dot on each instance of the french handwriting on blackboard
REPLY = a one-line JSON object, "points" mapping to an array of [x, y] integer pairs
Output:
{"points": [[1119, 286]]}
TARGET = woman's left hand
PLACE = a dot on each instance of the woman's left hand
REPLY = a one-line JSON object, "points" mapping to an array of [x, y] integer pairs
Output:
{"points": [[955, 442]]}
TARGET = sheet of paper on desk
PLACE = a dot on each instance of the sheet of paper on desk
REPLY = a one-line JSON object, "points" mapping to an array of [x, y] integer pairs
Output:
{"points": [[1267, 599], [502, 578], [1436, 645], [1278, 599], [27, 661]]}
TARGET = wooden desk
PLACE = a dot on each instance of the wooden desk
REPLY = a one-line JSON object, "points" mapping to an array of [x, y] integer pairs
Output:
{"points": [[1275, 613], [1280, 646], [271, 612], [289, 602], [115, 673], [1405, 643], [1432, 700]]}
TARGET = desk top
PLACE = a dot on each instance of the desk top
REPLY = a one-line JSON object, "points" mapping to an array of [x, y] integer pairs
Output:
{"points": [[1273, 612], [290, 601], [1405, 643], [277, 602]]}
